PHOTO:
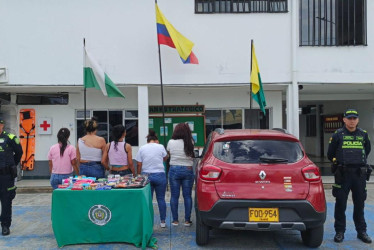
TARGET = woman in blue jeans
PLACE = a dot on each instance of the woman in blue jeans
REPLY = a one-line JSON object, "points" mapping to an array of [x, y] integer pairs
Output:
{"points": [[150, 161], [180, 148], [90, 150]]}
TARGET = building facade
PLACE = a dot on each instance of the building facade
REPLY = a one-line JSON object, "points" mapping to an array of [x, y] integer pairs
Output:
{"points": [[314, 59]]}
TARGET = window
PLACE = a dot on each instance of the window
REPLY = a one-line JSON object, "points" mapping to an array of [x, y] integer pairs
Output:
{"points": [[311, 120], [233, 119], [107, 120], [250, 151], [255, 119], [240, 6], [43, 99], [131, 125], [332, 22]]}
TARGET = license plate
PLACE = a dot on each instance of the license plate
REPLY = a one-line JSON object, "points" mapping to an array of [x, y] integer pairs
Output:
{"points": [[263, 214]]}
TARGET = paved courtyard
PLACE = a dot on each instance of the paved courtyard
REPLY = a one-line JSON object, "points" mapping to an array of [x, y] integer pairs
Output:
{"points": [[32, 229]]}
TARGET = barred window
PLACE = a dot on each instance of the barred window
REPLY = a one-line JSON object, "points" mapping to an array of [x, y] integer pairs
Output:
{"points": [[333, 22], [240, 6]]}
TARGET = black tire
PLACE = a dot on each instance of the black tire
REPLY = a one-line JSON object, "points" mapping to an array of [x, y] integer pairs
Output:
{"points": [[312, 237], [202, 231]]}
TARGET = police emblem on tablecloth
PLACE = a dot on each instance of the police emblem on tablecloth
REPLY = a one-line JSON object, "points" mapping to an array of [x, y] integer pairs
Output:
{"points": [[99, 215]]}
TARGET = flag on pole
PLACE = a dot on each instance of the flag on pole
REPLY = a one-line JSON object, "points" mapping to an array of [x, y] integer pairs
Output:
{"points": [[95, 77], [257, 90], [168, 35]]}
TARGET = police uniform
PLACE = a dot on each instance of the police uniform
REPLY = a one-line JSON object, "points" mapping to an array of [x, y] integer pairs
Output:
{"points": [[350, 149], [10, 156]]}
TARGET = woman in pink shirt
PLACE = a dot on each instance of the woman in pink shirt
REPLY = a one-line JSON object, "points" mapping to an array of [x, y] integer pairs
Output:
{"points": [[62, 159]]}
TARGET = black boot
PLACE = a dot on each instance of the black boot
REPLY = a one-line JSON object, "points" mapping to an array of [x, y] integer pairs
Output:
{"points": [[364, 237], [5, 230], [339, 237]]}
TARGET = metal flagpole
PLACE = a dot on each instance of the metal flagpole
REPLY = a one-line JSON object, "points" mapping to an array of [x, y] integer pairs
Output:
{"points": [[250, 83], [162, 90], [84, 65]]}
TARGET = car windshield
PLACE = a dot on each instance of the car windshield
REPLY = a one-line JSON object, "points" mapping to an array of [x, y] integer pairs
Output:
{"points": [[258, 151]]}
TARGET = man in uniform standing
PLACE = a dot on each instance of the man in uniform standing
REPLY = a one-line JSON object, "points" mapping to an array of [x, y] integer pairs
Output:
{"points": [[348, 150], [10, 155]]}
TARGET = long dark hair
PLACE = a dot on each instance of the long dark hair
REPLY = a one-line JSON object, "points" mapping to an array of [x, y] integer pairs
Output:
{"points": [[62, 137], [90, 125], [152, 136], [117, 133], [182, 131]]}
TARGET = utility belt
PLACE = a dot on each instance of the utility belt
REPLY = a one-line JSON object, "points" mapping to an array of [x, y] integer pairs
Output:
{"points": [[12, 170], [340, 171]]}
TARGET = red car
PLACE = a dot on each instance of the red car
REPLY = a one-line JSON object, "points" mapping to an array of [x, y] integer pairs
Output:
{"points": [[258, 180]]}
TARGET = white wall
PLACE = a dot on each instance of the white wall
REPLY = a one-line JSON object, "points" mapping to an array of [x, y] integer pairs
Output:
{"points": [[42, 42]]}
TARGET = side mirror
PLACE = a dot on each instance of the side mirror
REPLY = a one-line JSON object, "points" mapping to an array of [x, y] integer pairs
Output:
{"points": [[196, 153]]}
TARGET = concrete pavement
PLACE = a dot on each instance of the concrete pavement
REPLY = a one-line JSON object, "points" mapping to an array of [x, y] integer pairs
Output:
{"points": [[31, 229]]}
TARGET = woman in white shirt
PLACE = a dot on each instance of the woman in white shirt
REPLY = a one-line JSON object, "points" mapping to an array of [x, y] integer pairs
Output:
{"points": [[180, 148], [150, 161]]}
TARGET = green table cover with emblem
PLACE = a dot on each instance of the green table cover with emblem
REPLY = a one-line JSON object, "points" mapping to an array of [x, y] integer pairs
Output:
{"points": [[100, 216]]}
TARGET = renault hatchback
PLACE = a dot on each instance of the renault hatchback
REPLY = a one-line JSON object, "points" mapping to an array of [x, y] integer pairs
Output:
{"points": [[258, 180]]}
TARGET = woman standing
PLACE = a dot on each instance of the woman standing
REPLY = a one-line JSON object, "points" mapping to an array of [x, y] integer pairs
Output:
{"points": [[118, 153], [62, 159], [180, 148], [150, 158], [89, 151]]}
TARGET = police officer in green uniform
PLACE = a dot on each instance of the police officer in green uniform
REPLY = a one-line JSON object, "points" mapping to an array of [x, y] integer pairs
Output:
{"points": [[348, 150], [10, 156]]}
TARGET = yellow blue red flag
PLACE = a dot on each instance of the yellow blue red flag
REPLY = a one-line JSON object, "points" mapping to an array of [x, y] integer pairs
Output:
{"points": [[168, 35]]}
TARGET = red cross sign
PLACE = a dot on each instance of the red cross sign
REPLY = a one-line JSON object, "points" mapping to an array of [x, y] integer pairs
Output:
{"points": [[45, 126]]}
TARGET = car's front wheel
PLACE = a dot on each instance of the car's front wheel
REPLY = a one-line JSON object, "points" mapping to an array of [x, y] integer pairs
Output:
{"points": [[312, 237], [202, 231]]}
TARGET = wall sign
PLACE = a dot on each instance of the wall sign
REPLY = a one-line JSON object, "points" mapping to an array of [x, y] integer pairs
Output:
{"points": [[45, 126], [332, 123], [177, 109]]}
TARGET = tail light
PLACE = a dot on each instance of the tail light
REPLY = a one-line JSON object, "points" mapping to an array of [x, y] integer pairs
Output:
{"points": [[311, 173], [210, 173]]}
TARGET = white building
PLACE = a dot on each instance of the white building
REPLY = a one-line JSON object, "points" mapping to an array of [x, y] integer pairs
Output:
{"points": [[315, 58]]}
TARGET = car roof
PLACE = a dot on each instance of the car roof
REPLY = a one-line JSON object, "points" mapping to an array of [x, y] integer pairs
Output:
{"points": [[242, 134]]}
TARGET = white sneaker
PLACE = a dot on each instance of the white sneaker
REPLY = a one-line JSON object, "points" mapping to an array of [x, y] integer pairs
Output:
{"points": [[175, 223], [162, 224], [187, 223]]}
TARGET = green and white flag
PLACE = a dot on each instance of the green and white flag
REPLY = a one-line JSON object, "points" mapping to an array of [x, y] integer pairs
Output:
{"points": [[95, 77]]}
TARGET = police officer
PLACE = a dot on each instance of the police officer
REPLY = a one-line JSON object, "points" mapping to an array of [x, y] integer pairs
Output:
{"points": [[348, 150], [10, 155]]}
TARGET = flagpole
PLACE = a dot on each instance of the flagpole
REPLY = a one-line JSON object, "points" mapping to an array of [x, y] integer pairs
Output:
{"points": [[162, 89], [84, 86], [250, 84]]}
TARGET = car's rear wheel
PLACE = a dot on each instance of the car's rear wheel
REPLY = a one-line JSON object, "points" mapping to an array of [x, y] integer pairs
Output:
{"points": [[202, 231], [312, 237]]}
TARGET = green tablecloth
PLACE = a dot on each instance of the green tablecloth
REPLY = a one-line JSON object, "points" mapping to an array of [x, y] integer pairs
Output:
{"points": [[98, 216]]}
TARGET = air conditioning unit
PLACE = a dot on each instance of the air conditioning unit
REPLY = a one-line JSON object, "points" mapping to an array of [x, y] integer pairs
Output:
{"points": [[3, 75]]}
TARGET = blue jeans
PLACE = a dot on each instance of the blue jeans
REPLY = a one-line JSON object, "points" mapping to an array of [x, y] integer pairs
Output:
{"points": [[56, 179], [158, 184], [181, 176], [92, 169]]}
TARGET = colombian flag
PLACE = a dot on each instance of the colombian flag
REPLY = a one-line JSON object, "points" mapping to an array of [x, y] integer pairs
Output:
{"points": [[169, 36]]}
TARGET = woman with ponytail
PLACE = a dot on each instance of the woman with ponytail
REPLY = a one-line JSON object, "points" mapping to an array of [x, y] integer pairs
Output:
{"points": [[118, 153], [62, 159], [150, 159], [90, 151]]}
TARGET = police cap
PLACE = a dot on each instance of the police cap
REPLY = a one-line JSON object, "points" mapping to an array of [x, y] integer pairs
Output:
{"points": [[351, 113]]}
